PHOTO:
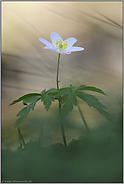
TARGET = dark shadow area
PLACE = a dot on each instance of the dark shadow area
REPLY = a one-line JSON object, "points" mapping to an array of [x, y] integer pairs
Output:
{"points": [[94, 157]]}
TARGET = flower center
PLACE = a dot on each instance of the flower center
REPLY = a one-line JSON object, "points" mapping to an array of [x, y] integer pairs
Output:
{"points": [[60, 45]]}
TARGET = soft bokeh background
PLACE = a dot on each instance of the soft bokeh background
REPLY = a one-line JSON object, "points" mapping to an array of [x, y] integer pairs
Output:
{"points": [[27, 67]]}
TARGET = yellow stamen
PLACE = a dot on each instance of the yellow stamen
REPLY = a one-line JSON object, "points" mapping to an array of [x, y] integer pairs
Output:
{"points": [[61, 46]]}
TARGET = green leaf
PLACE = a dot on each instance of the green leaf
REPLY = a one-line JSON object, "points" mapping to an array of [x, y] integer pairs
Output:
{"points": [[24, 112], [25, 97], [67, 107], [80, 87], [106, 115], [94, 102], [42, 92], [63, 91], [64, 99], [90, 88], [68, 100], [81, 96], [47, 98], [91, 100], [47, 104], [73, 98], [72, 88], [52, 91], [32, 99], [19, 120]]}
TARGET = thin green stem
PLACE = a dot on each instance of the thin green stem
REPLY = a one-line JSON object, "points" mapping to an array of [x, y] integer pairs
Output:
{"points": [[57, 83], [82, 116], [62, 128], [21, 137], [57, 77]]}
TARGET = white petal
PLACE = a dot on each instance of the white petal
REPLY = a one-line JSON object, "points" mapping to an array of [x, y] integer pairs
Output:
{"points": [[70, 42], [74, 49], [54, 37], [51, 48], [44, 41], [64, 52]]}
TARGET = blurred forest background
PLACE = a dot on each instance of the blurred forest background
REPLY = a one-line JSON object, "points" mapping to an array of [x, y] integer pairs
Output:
{"points": [[28, 67]]}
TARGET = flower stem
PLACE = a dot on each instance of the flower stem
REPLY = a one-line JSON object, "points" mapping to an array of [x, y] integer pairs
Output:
{"points": [[82, 116], [62, 128], [57, 82], [21, 137]]}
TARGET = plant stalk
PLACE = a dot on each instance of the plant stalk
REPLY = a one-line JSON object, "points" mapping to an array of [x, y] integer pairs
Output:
{"points": [[57, 77], [62, 127], [57, 82], [21, 137], [82, 116]]}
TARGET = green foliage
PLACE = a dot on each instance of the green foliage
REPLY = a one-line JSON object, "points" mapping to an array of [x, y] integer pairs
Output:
{"points": [[90, 88], [106, 115], [24, 112], [24, 97], [47, 98], [52, 91], [68, 99], [95, 157], [72, 88], [31, 99], [94, 102], [63, 91], [91, 100]]}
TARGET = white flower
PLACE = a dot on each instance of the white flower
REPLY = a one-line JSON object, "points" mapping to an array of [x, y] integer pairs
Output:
{"points": [[60, 46]]}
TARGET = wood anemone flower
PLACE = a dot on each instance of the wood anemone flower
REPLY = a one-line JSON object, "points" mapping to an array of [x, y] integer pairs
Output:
{"points": [[60, 46]]}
